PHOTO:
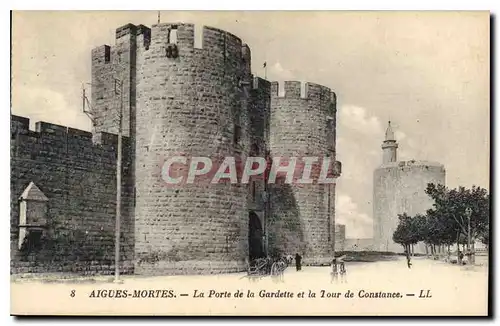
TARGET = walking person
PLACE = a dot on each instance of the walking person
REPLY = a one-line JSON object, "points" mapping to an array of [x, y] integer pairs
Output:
{"points": [[298, 262], [408, 259], [334, 271], [342, 270], [460, 258]]}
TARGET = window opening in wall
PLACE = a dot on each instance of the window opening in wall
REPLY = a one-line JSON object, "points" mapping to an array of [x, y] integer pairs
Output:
{"points": [[135, 196], [253, 190], [237, 134], [107, 56], [255, 150]]}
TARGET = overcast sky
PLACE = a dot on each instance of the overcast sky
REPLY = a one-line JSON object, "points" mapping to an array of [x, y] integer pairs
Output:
{"points": [[426, 72]]}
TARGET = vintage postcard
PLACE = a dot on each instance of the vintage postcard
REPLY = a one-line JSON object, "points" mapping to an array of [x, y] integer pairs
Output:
{"points": [[251, 163]]}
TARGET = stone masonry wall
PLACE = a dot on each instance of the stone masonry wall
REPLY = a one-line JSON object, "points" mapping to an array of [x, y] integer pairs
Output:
{"points": [[79, 179], [340, 240], [114, 83], [203, 102], [299, 126], [259, 110], [113, 73], [399, 187], [193, 104]]}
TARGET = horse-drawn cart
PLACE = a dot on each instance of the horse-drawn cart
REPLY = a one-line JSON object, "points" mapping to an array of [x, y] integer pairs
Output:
{"points": [[262, 267]]}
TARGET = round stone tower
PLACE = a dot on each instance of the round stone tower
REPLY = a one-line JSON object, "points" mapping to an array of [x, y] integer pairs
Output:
{"points": [[302, 215], [190, 102], [399, 187]]}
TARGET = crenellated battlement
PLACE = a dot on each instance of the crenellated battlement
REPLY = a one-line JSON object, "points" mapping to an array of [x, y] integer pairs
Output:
{"points": [[155, 41], [261, 84], [246, 58], [412, 166], [302, 90], [50, 128], [132, 29], [186, 35], [333, 97], [78, 179], [214, 42], [246, 53], [101, 54], [20, 126], [125, 30]]}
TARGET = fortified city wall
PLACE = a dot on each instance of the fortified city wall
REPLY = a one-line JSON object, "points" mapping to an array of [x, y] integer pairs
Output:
{"points": [[79, 179], [180, 99]]}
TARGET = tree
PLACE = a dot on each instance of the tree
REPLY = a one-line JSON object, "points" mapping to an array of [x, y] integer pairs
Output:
{"points": [[450, 211], [484, 237], [439, 230], [407, 232]]}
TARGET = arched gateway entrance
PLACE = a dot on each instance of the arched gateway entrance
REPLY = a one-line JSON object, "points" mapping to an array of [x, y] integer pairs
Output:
{"points": [[255, 232]]}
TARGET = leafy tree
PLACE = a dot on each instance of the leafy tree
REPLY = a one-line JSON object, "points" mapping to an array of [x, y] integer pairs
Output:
{"points": [[447, 222], [450, 211], [438, 230], [485, 238], [407, 232]]}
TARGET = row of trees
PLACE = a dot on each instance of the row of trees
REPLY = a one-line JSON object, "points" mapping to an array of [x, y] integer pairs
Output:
{"points": [[456, 215]]}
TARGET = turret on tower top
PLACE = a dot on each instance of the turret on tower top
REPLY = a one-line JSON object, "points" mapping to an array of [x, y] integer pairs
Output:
{"points": [[389, 146], [389, 134]]}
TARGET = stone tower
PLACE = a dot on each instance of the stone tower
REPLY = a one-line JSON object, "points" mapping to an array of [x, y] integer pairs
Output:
{"points": [[302, 216], [114, 78], [184, 100], [113, 87], [399, 187], [193, 102]]}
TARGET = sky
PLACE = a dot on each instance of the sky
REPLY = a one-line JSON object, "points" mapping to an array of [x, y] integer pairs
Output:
{"points": [[426, 72]]}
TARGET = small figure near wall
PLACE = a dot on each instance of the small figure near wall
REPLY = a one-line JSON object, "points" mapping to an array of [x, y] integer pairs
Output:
{"points": [[408, 259], [338, 267], [298, 262]]}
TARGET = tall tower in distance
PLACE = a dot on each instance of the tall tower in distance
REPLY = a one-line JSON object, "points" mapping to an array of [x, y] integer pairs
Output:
{"points": [[399, 187], [390, 146]]}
